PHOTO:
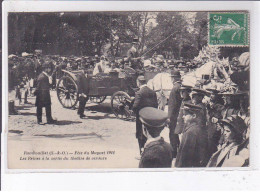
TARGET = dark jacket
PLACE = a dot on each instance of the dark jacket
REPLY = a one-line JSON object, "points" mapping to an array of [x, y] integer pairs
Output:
{"points": [[228, 111], [174, 105], [145, 97], [241, 79], [180, 122], [193, 148], [202, 117], [83, 83], [214, 134], [42, 91], [157, 154]]}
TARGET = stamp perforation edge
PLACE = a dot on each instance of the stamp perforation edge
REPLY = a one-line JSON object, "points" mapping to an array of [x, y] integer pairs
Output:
{"points": [[247, 12]]}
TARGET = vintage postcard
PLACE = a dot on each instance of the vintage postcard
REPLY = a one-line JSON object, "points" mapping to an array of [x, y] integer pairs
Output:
{"points": [[128, 89]]}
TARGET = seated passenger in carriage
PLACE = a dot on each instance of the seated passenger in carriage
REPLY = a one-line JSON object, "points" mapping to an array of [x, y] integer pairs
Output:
{"points": [[101, 67]]}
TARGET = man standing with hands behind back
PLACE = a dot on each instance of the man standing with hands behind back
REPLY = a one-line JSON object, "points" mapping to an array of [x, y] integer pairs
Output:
{"points": [[145, 97]]}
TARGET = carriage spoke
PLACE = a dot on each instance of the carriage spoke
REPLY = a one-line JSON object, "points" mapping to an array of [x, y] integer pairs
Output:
{"points": [[61, 89], [70, 101]]}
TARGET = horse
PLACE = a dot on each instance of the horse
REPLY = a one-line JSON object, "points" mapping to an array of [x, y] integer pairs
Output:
{"points": [[162, 83]]}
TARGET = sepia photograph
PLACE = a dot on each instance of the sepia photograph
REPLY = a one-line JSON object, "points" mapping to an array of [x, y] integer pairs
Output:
{"points": [[128, 90]]}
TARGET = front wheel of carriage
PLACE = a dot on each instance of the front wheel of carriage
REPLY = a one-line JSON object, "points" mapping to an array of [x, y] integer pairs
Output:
{"points": [[67, 92], [120, 104]]}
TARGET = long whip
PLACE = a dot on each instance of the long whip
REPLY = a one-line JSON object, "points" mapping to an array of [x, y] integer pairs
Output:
{"points": [[157, 44]]}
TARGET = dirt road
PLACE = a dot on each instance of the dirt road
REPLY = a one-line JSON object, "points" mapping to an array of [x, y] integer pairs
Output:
{"points": [[99, 132]]}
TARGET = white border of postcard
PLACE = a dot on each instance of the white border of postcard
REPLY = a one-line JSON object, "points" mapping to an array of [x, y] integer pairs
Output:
{"points": [[163, 178]]}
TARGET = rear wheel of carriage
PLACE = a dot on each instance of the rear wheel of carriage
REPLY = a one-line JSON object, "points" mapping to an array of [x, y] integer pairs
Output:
{"points": [[67, 92], [120, 105], [97, 99]]}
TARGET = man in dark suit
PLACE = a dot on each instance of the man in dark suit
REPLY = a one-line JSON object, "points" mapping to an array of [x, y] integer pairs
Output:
{"points": [[197, 96], [157, 153], [83, 89], [174, 105], [42, 92], [145, 97], [193, 147], [185, 91]]}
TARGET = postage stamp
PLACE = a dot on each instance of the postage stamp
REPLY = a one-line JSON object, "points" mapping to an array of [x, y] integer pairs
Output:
{"points": [[228, 29]]}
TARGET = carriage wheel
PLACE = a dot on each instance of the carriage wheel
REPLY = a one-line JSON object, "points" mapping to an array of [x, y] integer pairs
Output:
{"points": [[120, 105], [97, 99], [67, 92]]}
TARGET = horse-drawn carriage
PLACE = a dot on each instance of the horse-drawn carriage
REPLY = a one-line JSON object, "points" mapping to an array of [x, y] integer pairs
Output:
{"points": [[119, 85]]}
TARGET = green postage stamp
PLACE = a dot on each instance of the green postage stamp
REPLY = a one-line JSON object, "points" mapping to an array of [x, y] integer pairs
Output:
{"points": [[229, 29]]}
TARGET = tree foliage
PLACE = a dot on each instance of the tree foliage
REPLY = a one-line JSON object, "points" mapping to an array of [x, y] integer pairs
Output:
{"points": [[90, 33]]}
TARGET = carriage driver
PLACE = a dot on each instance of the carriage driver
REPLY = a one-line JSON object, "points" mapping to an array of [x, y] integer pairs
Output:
{"points": [[133, 55]]}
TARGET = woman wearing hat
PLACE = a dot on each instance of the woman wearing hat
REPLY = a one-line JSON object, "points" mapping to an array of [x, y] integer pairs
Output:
{"points": [[234, 128]]}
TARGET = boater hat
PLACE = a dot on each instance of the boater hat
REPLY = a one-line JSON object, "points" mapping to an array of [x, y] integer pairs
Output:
{"points": [[212, 91], [191, 108], [185, 87], [197, 90], [153, 117]]}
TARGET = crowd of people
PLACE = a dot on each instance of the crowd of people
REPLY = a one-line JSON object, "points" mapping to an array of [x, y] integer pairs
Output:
{"points": [[208, 126]]}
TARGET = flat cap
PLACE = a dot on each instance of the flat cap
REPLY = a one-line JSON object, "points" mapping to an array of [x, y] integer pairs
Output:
{"points": [[153, 117]]}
